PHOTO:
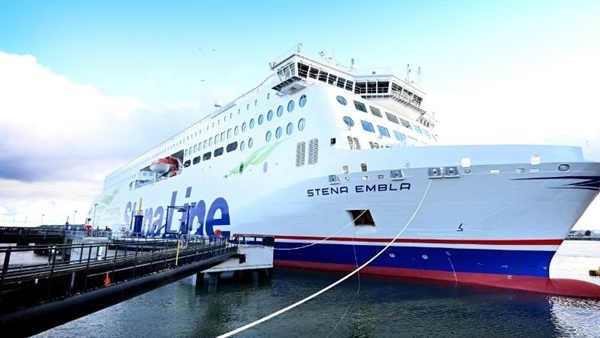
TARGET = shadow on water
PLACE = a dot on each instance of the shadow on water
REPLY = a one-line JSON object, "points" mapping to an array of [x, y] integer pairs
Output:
{"points": [[368, 306]]}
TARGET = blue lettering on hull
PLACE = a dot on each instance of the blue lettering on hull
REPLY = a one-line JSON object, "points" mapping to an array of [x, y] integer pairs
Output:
{"points": [[203, 221]]}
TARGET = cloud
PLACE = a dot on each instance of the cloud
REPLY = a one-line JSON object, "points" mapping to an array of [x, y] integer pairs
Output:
{"points": [[53, 129], [58, 139]]}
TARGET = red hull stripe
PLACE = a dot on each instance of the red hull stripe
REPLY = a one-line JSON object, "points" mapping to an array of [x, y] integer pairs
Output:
{"points": [[551, 286], [427, 241]]}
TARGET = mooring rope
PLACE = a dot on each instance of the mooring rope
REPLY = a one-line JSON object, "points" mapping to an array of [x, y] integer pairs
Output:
{"points": [[275, 314], [323, 239]]}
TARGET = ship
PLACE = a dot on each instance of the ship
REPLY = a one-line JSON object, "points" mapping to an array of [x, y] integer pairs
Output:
{"points": [[343, 167]]}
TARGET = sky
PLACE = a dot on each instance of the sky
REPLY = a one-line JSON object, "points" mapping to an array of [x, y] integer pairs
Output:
{"points": [[86, 86]]}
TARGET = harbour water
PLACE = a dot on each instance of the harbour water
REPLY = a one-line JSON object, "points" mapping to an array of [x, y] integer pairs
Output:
{"points": [[362, 306]]}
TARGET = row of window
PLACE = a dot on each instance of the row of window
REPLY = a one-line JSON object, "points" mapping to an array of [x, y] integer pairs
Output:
{"points": [[245, 126], [383, 131], [242, 145], [360, 87], [377, 112], [219, 137]]}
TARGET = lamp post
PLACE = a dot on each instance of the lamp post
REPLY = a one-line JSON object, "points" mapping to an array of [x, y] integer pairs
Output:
{"points": [[74, 213], [94, 217], [42, 220]]}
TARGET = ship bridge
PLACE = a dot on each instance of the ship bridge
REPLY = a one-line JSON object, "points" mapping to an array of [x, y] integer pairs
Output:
{"points": [[380, 85]]}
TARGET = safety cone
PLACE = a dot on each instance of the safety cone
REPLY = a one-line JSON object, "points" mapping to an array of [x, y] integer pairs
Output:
{"points": [[107, 280]]}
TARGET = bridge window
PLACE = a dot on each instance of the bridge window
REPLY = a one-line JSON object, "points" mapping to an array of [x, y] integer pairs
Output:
{"points": [[219, 151], [368, 126], [206, 156], [341, 100], [349, 85], [348, 121], [332, 78], [196, 160]]}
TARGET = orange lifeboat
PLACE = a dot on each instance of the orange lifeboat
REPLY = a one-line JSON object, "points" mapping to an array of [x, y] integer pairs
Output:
{"points": [[162, 165]]}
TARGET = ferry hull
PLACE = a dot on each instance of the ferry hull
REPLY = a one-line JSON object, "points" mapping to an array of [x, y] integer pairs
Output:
{"points": [[545, 285]]}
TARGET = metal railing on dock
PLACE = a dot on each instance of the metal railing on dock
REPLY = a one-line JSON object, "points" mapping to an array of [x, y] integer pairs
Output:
{"points": [[75, 268]]}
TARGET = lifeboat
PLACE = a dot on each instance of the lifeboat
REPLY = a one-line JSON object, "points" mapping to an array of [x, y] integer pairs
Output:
{"points": [[162, 165]]}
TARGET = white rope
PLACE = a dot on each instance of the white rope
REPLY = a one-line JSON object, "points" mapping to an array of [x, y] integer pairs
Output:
{"points": [[324, 239], [264, 319]]}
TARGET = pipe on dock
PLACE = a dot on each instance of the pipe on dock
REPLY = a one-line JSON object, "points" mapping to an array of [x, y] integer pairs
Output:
{"points": [[43, 317]]}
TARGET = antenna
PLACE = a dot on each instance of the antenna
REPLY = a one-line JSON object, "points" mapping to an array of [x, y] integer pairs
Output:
{"points": [[587, 144], [352, 64], [407, 79], [419, 76]]}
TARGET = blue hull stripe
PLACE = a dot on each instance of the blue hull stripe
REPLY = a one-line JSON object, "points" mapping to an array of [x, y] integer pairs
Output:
{"points": [[487, 261]]}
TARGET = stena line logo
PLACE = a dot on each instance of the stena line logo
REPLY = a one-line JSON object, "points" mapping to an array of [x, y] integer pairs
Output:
{"points": [[203, 218]]}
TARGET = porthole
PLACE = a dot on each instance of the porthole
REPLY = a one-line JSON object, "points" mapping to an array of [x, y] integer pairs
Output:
{"points": [[236, 130], [251, 123], [250, 143], [268, 136], [242, 145], [564, 167], [278, 132], [261, 118], [348, 120], [279, 110], [290, 106], [255, 102], [268, 95], [302, 101], [289, 129], [341, 100], [270, 115], [301, 124], [243, 127]]}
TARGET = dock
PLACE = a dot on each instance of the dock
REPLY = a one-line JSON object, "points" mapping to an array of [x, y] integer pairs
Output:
{"points": [[91, 274]]}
